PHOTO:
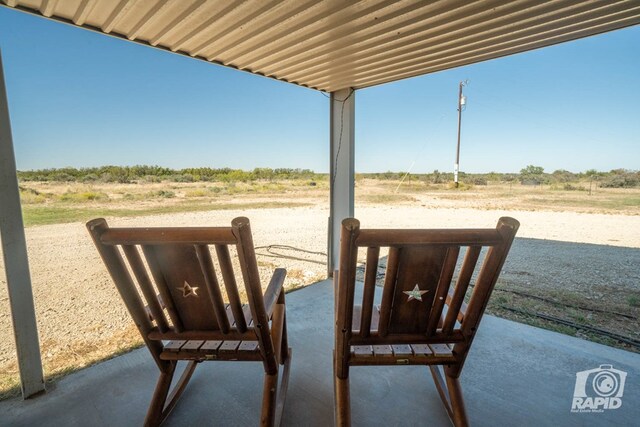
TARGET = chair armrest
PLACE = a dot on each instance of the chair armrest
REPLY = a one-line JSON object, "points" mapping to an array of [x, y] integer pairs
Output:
{"points": [[273, 290]]}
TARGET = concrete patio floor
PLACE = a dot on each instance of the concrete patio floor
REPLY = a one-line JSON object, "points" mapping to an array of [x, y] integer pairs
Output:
{"points": [[515, 375]]}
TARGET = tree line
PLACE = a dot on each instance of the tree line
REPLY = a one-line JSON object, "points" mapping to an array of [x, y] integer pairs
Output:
{"points": [[530, 175], [132, 174]]}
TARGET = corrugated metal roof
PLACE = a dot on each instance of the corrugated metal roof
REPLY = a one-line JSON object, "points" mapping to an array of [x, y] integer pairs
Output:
{"points": [[336, 44]]}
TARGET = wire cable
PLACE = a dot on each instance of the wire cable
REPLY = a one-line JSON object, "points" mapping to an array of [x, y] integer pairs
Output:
{"points": [[335, 165], [271, 253], [621, 338]]}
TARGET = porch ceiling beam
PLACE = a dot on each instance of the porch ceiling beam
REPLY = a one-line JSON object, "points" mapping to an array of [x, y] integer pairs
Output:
{"points": [[16, 263], [342, 169]]}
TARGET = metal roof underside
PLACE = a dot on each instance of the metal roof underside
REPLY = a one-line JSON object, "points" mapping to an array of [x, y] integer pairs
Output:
{"points": [[336, 44]]}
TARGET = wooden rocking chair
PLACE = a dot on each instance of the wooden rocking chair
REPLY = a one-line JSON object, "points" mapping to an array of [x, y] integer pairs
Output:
{"points": [[181, 313], [421, 320]]}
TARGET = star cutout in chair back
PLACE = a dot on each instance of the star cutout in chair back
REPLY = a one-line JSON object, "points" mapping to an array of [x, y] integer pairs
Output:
{"points": [[415, 293], [188, 290]]}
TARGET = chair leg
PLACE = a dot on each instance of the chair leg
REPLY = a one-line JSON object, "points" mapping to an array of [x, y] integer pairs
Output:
{"points": [[178, 389], [342, 404], [342, 401], [451, 395], [284, 343], [269, 395], [154, 414], [284, 384], [273, 396], [457, 402], [161, 406]]}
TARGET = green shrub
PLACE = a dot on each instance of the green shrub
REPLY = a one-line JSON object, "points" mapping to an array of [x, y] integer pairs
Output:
{"points": [[462, 186], [532, 175], [621, 178], [166, 194], [571, 187], [30, 195], [85, 196], [198, 192], [89, 178], [187, 177]]}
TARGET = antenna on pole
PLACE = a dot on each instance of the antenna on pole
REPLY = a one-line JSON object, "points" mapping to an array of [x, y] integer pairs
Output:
{"points": [[462, 103]]}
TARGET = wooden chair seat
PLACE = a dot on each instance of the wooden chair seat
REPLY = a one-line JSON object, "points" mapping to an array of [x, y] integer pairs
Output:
{"points": [[402, 354], [211, 350]]}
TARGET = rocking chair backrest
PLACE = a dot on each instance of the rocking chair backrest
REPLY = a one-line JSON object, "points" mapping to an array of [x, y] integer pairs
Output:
{"points": [[419, 303], [180, 291]]}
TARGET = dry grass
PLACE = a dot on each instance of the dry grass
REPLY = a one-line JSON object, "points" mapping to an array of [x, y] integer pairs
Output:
{"points": [[59, 361]]}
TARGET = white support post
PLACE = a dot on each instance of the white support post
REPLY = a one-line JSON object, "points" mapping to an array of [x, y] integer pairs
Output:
{"points": [[342, 175], [16, 262]]}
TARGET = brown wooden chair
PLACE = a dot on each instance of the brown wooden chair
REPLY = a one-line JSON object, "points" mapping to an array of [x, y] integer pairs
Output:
{"points": [[421, 319], [180, 310]]}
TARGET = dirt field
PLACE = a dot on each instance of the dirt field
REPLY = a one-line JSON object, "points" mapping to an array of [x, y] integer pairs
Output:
{"points": [[583, 251]]}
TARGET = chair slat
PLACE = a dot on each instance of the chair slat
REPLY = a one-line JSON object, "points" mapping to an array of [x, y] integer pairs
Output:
{"points": [[192, 346], [401, 350], [440, 349], [167, 235], [370, 276], [494, 260], [362, 350], [211, 281], [163, 289], [357, 316], [247, 315], [229, 346], [463, 306], [375, 318], [432, 237], [460, 290], [388, 290], [251, 278], [444, 283], [174, 345], [382, 350], [230, 316], [229, 278], [248, 346], [419, 269], [211, 345], [135, 261], [421, 350]]}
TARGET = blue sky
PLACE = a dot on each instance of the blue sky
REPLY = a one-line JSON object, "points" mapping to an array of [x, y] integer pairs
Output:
{"points": [[81, 99]]}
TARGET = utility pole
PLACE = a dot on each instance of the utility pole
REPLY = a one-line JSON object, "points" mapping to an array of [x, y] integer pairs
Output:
{"points": [[462, 102]]}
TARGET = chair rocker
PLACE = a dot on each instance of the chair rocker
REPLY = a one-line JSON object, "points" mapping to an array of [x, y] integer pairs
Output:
{"points": [[422, 319], [182, 313]]}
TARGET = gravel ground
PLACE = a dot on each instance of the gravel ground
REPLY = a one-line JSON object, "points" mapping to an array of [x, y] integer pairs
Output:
{"points": [[594, 270], [81, 318]]}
